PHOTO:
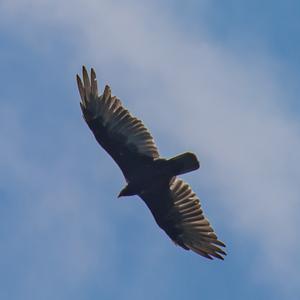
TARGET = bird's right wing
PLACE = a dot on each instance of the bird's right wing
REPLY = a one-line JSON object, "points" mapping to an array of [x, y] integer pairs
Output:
{"points": [[177, 210], [123, 136]]}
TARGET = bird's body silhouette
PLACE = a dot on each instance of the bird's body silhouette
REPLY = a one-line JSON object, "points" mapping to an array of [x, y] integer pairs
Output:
{"points": [[175, 207]]}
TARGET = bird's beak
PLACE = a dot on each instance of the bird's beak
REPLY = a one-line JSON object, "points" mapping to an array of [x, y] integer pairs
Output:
{"points": [[124, 192]]}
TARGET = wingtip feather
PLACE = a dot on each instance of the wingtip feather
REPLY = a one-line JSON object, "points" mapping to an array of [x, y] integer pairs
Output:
{"points": [[107, 92], [86, 82], [80, 88], [94, 86], [93, 73]]}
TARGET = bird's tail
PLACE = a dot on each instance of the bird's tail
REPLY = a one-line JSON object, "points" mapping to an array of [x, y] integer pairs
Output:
{"points": [[183, 163]]}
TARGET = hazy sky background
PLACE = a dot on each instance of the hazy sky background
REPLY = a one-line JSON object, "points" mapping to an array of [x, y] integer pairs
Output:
{"points": [[219, 78]]}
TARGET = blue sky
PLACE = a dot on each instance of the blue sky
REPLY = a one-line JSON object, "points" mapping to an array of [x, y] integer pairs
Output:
{"points": [[218, 79]]}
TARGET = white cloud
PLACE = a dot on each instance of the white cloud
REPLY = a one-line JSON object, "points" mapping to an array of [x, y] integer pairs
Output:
{"points": [[227, 109]]}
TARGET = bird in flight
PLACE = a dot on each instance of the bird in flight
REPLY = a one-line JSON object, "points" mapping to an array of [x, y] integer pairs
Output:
{"points": [[175, 207]]}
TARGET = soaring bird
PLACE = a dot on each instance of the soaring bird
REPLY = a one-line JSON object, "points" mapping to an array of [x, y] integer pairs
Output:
{"points": [[175, 207]]}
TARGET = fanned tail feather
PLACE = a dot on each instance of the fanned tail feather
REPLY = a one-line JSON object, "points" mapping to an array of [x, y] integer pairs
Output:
{"points": [[183, 163]]}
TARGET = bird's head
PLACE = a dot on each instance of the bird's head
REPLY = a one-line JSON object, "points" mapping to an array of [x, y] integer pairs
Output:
{"points": [[122, 193], [126, 191]]}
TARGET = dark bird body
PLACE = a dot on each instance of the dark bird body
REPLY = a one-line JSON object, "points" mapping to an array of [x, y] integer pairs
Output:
{"points": [[173, 204]]}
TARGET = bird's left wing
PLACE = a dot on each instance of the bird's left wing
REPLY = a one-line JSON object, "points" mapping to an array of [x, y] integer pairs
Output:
{"points": [[123, 136], [177, 210]]}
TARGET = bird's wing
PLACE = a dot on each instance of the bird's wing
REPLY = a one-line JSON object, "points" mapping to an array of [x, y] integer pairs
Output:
{"points": [[123, 136], [177, 210]]}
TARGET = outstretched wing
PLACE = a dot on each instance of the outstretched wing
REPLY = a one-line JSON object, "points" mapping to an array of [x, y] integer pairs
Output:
{"points": [[123, 136], [177, 210]]}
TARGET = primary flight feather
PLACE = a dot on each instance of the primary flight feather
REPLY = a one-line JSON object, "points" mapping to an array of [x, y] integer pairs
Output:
{"points": [[175, 207]]}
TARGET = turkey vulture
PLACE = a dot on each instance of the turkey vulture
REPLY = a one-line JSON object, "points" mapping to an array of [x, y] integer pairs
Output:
{"points": [[174, 205]]}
